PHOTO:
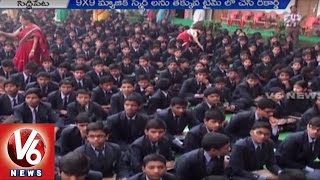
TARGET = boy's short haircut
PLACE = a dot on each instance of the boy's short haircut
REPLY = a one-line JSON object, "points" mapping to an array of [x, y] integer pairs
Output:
{"points": [[44, 74]]}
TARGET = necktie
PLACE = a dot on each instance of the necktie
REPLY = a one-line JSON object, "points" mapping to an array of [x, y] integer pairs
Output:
{"points": [[14, 102], [65, 101], [34, 115], [27, 80], [312, 145], [210, 166], [6, 75], [153, 147], [100, 154], [259, 156], [177, 120], [44, 90], [79, 85]]}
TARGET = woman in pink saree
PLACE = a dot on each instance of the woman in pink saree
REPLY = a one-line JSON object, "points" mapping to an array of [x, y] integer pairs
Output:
{"points": [[32, 43]]}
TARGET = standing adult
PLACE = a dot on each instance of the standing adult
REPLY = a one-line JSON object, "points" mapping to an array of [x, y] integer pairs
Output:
{"points": [[32, 43], [191, 34], [292, 23]]}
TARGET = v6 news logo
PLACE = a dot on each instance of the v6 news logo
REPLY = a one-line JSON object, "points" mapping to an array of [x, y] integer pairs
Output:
{"points": [[29, 153], [26, 147]]}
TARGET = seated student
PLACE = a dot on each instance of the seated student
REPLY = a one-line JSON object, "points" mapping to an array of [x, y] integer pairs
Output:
{"points": [[44, 83], [102, 93], [80, 61], [300, 150], [74, 136], [153, 167], [83, 103], [117, 99], [10, 99], [76, 165], [282, 81], [298, 101], [161, 98], [309, 114], [292, 174], [247, 92], [61, 72], [246, 67], [47, 66], [220, 69], [265, 64], [143, 82], [7, 68], [232, 79], [192, 88], [211, 100], [154, 141], [250, 154], [26, 76], [79, 78], [172, 73], [104, 156], [177, 117], [116, 74], [213, 122], [241, 123], [145, 68], [225, 94], [97, 72], [205, 161], [127, 67], [60, 99], [285, 122], [127, 125], [33, 110]]}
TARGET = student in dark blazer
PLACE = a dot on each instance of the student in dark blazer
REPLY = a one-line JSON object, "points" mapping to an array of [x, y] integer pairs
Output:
{"points": [[97, 72], [127, 67], [80, 80], [60, 99], [252, 153], [241, 123], [145, 68], [102, 93], [83, 103], [104, 156], [61, 72], [154, 141], [35, 111], [282, 81], [116, 74], [128, 125], [26, 76], [161, 98], [213, 122], [154, 167], [172, 73], [73, 136], [192, 89], [117, 99], [299, 150], [11, 98], [44, 83], [7, 68], [205, 161], [177, 117], [76, 165], [309, 114], [247, 92], [211, 100]]}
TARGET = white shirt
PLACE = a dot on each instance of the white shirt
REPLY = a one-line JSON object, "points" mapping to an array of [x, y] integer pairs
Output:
{"points": [[11, 99], [292, 19], [34, 117]]}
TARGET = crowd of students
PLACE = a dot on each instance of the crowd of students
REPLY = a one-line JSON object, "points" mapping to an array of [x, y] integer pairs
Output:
{"points": [[123, 94]]}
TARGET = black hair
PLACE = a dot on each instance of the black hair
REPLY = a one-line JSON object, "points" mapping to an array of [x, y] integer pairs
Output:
{"points": [[106, 79], [178, 101], [134, 98], [74, 163], [315, 121], [44, 74], [65, 82], [97, 126], [163, 84], [155, 124], [215, 114], [83, 91], [261, 124], [82, 117], [11, 81], [153, 157], [211, 90], [35, 91], [265, 103], [214, 140]]}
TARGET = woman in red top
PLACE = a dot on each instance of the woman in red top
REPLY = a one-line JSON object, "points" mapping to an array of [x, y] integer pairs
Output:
{"points": [[32, 43], [191, 34]]}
